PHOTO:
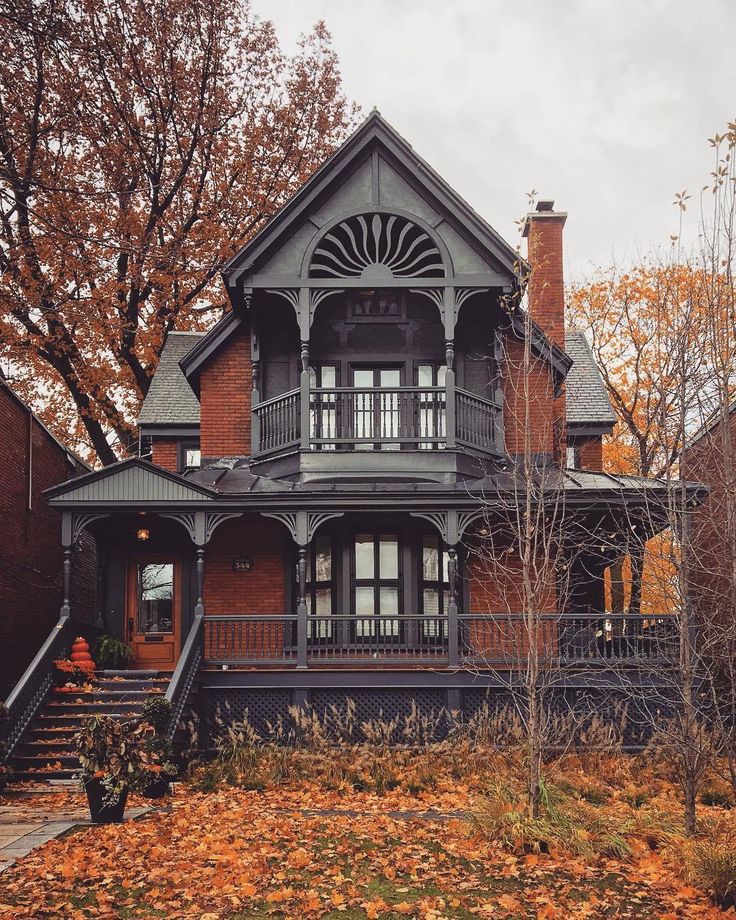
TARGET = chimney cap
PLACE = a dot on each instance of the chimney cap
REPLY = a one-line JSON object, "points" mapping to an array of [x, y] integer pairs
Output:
{"points": [[546, 204]]}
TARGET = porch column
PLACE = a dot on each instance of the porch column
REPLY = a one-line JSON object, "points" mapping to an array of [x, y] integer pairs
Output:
{"points": [[255, 396], [453, 650], [301, 610], [67, 540], [304, 381], [449, 324]]}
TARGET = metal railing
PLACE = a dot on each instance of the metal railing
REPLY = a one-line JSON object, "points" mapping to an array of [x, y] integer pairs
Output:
{"points": [[385, 418], [376, 418], [183, 677], [29, 693], [483, 639]]}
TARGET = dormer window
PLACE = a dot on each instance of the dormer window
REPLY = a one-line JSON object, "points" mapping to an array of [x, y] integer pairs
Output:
{"points": [[190, 456]]}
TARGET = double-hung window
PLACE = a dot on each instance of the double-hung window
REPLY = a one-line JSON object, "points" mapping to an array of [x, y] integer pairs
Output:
{"points": [[376, 585]]}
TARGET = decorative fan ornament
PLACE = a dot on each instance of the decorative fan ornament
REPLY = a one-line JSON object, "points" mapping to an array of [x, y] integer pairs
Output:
{"points": [[375, 247]]}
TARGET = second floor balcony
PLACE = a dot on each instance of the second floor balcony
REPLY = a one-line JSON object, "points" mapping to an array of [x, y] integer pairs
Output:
{"points": [[371, 419]]}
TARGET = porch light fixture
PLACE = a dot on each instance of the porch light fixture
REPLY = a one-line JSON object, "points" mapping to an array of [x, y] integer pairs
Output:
{"points": [[143, 534]]}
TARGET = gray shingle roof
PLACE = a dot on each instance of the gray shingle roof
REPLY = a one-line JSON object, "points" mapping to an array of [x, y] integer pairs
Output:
{"points": [[170, 400], [586, 397]]}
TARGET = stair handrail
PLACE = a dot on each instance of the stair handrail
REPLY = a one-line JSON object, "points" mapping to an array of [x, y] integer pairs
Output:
{"points": [[31, 690], [182, 679]]}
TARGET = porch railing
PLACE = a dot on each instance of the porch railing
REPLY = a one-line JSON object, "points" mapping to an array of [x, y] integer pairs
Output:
{"points": [[482, 640], [183, 677], [379, 418], [31, 690]]}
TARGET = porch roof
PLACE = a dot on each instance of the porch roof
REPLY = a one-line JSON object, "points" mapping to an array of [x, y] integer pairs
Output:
{"points": [[136, 482]]}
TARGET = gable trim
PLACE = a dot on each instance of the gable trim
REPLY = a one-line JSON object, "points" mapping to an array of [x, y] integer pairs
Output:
{"points": [[57, 495]]}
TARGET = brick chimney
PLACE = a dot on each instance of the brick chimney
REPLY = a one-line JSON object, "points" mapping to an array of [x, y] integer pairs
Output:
{"points": [[543, 232]]}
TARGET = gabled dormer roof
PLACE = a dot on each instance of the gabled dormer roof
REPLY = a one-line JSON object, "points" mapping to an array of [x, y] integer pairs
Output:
{"points": [[374, 136]]}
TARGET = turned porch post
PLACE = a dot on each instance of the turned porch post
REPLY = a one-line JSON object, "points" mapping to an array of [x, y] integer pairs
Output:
{"points": [[301, 610], [255, 396], [67, 540], [449, 324], [453, 650], [304, 379]]}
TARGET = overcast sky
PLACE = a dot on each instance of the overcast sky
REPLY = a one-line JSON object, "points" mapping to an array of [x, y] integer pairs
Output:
{"points": [[603, 105]]}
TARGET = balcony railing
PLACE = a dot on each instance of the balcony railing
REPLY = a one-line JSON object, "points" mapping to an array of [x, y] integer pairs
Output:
{"points": [[482, 640], [385, 418]]}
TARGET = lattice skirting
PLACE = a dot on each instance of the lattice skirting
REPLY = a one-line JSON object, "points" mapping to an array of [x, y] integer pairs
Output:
{"points": [[270, 711]]}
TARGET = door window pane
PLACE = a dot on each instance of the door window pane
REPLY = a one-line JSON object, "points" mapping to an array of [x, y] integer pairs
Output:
{"points": [[424, 375], [389, 377], [388, 557], [364, 564], [431, 601], [155, 597], [323, 559]]}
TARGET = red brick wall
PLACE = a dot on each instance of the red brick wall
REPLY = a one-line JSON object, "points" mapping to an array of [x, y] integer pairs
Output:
{"points": [[30, 543], [546, 284], [539, 391], [263, 589], [224, 394], [495, 590], [165, 454], [591, 454]]}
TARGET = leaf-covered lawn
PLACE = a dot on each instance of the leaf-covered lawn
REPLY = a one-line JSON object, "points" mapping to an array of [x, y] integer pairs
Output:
{"points": [[312, 853]]}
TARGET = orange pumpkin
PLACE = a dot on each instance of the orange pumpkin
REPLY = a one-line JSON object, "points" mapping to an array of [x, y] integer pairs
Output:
{"points": [[80, 650]]}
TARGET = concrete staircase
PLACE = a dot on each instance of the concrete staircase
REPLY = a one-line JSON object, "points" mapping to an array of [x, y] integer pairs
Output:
{"points": [[46, 751]]}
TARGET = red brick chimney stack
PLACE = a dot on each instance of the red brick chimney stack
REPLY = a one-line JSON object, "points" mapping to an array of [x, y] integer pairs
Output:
{"points": [[543, 231]]}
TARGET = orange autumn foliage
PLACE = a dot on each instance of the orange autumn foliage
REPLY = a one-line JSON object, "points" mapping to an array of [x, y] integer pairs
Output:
{"points": [[142, 144]]}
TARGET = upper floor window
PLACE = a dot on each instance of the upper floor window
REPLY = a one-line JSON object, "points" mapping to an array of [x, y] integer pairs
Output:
{"points": [[190, 456], [573, 457], [372, 305]]}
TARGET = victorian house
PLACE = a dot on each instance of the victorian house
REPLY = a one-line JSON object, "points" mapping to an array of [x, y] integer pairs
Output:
{"points": [[319, 468]]}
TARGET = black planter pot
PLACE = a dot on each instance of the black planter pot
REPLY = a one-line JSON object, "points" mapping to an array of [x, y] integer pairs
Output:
{"points": [[104, 814]]}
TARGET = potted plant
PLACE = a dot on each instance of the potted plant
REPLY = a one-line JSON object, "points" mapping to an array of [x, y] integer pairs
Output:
{"points": [[115, 759], [112, 653], [157, 713], [73, 674]]}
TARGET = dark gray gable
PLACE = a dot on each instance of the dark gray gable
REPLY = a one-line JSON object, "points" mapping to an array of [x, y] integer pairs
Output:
{"points": [[358, 161], [587, 401], [129, 482], [170, 400]]}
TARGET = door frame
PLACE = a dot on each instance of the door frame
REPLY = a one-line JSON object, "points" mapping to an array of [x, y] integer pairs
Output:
{"points": [[131, 605]]}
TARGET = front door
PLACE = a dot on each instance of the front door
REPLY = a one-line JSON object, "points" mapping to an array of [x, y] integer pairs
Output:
{"points": [[153, 613], [377, 408]]}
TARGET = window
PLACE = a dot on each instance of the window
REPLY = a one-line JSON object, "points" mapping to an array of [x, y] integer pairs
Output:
{"points": [[190, 456], [431, 406], [323, 407], [435, 585], [320, 584], [376, 584], [376, 409], [155, 596], [573, 457]]}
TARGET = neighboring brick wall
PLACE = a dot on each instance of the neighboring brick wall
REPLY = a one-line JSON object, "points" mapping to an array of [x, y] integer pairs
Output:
{"points": [[591, 454], [538, 390], [30, 543], [263, 589], [713, 537], [165, 453], [225, 396]]}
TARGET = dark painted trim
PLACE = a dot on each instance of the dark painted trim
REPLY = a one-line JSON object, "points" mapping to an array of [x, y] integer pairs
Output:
{"points": [[589, 429], [353, 152], [72, 484], [209, 344], [170, 431]]}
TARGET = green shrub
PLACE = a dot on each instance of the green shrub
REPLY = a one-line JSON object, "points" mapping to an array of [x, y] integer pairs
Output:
{"points": [[111, 653], [710, 863]]}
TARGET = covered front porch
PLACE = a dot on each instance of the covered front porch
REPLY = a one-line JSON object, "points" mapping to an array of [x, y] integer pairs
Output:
{"points": [[194, 578]]}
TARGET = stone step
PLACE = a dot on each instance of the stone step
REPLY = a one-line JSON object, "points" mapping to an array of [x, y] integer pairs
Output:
{"points": [[34, 776], [103, 695], [25, 761], [92, 707], [135, 675], [74, 720], [31, 749]]}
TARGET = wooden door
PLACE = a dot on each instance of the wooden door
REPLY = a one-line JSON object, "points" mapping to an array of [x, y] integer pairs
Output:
{"points": [[153, 612]]}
